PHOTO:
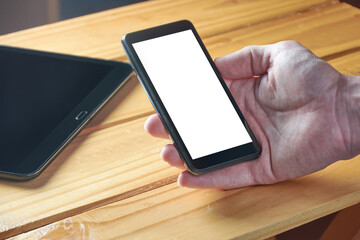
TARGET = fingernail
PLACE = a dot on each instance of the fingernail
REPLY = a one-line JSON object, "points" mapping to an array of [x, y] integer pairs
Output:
{"points": [[178, 180]]}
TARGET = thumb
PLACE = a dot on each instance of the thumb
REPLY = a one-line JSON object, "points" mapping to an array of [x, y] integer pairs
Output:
{"points": [[245, 63]]}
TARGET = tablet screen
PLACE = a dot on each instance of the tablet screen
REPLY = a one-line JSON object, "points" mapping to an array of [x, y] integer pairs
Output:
{"points": [[36, 93]]}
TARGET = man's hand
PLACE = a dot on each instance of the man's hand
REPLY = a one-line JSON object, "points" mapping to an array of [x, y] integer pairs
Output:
{"points": [[295, 103]]}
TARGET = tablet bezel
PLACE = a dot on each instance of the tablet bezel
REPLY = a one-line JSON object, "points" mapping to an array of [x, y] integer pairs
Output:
{"points": [[204, 164], [59, 137]]}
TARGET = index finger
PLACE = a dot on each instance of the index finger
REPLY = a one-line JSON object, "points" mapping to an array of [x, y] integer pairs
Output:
{"points": [[155, 127]]}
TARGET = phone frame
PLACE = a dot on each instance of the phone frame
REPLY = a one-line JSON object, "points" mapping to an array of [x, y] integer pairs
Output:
{"points": [[242, 153], [47, 150]]}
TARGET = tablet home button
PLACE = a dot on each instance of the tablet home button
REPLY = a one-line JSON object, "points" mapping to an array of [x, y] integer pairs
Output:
{"points": [[81, 115]]}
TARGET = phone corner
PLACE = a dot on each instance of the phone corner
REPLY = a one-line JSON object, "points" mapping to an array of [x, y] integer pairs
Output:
{"points": [[186, 21], [124, 37], [191, 169]]}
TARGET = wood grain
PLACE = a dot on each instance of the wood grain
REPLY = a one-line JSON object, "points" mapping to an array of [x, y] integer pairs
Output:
{"points": [[94, 169], [113, 159], [249, 213], [348, 63], [98, 35], [328, 33]]}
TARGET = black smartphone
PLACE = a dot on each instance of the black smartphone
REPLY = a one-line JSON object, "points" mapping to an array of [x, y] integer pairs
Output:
{"points": [[193, 101]]}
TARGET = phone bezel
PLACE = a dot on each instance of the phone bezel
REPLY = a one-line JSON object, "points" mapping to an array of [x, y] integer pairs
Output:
{"points": [[207, 163], [57, 139]]}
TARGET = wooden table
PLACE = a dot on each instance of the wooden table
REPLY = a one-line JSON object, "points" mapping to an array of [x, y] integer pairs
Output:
{"points": [[110, 182]]}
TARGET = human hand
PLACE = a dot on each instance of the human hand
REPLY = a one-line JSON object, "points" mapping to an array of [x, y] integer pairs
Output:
{"points": [[294, 103]]}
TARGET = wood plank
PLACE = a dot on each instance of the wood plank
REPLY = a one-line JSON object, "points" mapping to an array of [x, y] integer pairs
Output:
{"points": [[305, 28], [98, 35], [93, 170], [249, 213], [331, 31], [348, 63]]}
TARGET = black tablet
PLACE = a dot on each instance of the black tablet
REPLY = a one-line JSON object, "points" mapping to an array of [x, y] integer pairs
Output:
{"points": [[45, 99]]}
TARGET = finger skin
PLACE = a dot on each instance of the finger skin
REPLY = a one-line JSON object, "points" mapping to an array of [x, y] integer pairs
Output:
{"points": [[245, 63], [170, 155], [227, 178], [155, 127]]}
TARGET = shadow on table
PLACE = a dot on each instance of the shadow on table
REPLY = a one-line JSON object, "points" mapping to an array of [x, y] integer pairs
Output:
{"points": [[355, 3], [16, 15]]}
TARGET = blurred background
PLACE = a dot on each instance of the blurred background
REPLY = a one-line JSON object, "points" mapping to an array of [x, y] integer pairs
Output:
{"points": [[16, 15]]}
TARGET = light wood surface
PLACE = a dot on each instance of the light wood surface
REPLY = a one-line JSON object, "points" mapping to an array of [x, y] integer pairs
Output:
{"points": [[99, 35], [114, 164], [248, 213]]}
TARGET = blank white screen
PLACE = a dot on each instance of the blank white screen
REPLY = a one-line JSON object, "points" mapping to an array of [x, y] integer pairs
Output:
{"points": [[192, 94]]}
